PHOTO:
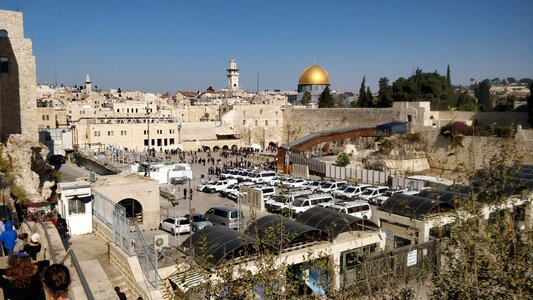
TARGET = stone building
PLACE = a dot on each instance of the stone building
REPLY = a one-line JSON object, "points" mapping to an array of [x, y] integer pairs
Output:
{"points": [[17, 79]]}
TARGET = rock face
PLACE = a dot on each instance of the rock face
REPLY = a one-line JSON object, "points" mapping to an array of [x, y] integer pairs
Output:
{"points": [[31, 172]]}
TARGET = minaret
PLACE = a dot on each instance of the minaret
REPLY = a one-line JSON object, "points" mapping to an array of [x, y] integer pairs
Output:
{"points": [[233, 75], [88, 85]]}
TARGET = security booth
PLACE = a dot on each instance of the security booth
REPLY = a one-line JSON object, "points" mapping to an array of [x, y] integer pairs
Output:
{"points": [[75, 205]]}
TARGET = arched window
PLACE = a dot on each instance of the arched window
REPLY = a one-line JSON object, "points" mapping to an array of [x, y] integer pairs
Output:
{"points": [[3, 33]]}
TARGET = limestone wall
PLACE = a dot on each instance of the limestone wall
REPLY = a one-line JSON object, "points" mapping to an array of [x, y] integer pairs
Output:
{"points": [[18, 86]]}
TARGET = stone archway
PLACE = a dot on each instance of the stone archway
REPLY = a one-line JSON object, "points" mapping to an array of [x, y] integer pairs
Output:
{"points": [[234, 148], [225, 147], [216, 148], [133, 209]]}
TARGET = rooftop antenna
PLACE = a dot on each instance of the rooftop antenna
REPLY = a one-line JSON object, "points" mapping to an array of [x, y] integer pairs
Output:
{"points": [[314, 61], [55, 77], [257, 88]]}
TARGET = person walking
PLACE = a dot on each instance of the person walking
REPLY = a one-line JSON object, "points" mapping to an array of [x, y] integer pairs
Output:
{"points": [[8, 238], [62, 229], [56, 282], [120, 295], [34, 246]]}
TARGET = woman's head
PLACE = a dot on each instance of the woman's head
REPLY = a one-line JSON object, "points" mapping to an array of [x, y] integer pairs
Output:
{"points": [[20, 270], [57, 280]]}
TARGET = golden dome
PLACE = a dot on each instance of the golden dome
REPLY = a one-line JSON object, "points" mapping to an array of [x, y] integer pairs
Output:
{"points": [[314, 74]]}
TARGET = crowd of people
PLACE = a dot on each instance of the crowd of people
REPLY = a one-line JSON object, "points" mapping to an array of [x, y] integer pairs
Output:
{"points": [[27, 277]]}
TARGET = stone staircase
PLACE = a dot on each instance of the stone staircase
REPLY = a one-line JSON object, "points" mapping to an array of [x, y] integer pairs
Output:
{"points": [[121, 283]]}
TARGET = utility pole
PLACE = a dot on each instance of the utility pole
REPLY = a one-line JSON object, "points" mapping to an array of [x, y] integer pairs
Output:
{"points": [[148, 133]]}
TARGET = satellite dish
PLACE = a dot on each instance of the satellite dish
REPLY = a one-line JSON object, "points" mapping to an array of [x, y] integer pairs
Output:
{"points": [[159, 242]]}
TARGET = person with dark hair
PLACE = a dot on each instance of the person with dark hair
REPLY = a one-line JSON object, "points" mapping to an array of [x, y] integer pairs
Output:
{"points": [[21, 280], [56, 281], [22, 239], [120, 295], [62, 229]]}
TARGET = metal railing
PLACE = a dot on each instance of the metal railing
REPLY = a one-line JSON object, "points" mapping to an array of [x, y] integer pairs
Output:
{"points": [[52, 252], [148, 257], [74, 262]]}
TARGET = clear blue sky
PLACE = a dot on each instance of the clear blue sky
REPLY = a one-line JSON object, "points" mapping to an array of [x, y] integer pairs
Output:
{"points": [[186, 45]]}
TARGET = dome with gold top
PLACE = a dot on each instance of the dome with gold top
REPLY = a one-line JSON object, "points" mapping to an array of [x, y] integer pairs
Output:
{"points": [[314, 74]]}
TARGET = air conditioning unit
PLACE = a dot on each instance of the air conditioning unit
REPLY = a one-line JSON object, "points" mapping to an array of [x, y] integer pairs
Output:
{"points": [[160, 241]]}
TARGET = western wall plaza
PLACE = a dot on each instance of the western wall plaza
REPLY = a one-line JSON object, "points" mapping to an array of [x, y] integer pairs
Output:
{"points": [[202, 151]]}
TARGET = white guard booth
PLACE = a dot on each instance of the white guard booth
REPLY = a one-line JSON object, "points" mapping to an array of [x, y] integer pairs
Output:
{"points": [[75, 205]]}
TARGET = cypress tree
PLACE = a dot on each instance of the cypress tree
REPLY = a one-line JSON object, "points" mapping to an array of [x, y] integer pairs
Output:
{"points": [[362, 92], [325, 100]]}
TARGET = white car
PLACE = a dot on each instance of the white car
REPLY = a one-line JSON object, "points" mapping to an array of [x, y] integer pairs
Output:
{"points": [[202, 186], [339, 193], [176, 225], [359, 209], [226, 191], [312, 185], [218, 186], [296, 183], [331, 186], [353, 191], [373, 192], [305, 202], [263, 177], [381, 198]]}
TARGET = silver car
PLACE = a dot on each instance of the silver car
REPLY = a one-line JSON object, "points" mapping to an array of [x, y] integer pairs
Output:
{"points": [[198, 222]]}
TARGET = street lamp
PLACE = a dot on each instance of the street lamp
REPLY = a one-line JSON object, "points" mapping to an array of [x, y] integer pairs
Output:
{"points": [[148, 133]]}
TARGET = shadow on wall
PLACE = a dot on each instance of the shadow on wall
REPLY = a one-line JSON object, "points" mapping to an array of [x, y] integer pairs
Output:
{"points": [[10, 120]]}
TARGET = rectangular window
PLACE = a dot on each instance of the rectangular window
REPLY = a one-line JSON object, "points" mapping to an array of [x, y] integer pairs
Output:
{"points": [[266, 122], [146, 142], [165, 142], [43, 117], [4, 64], [76, 207], [171, 131], [171, 141], [123, 132], [110, 133], [153, 142], [159, 142], [145, 132], [243, 122]]}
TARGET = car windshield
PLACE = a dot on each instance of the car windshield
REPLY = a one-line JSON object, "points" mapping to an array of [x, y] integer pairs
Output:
{"points": [[184, 222], [339, 209], [198, 218], [298, 202], [390, 193], [368, 192], [349, 190], [289, 180], [279, 199], [327, 185]]}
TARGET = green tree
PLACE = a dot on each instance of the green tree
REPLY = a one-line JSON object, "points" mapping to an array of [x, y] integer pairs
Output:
{"points": [[342, 160], [530, 104], [306, 98], [511, 80], [505, 103], [482, 93], [465, 102], [368, 100], [385, 93], [424, 87], [325, 100], [362, 92]]}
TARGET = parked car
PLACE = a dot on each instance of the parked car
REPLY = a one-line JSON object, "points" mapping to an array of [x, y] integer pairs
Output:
{"points": [[305, 202], [219, 185], [278, 180], [177, 180], [223, 216], [296, 183], [359, 209], [263, 177], [282, 201], [231, 187], [338, 193], [198, 222], [331, 186], [175, 225], [202, 186], [312, 185], [372, 192], [353, 191], [381, 198], [57, 159]]}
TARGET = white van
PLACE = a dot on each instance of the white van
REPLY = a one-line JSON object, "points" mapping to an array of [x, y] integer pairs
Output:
{"points": [[263, 177], [359, 209], [305, 202]]}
